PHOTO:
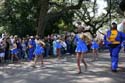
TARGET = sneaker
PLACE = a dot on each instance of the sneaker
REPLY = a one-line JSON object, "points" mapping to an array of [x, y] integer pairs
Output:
{"points": [[79, 72], [114, 71], [42, 65], [33, 66], [86, 68]]}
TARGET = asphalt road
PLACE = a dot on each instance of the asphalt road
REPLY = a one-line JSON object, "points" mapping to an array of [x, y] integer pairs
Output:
{"points": [[64, 71]]}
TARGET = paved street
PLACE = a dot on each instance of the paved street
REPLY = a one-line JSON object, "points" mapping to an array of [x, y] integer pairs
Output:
{"points": [[64, 72]]}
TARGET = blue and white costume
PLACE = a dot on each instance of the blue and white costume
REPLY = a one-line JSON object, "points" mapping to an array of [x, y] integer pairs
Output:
{"points": [[39, 50], [95, 45], [80, 44], [58, 44]]}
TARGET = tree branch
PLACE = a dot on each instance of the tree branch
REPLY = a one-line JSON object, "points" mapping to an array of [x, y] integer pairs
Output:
{"points": [[101, 33], [75, 6], [56, 4], [65, 9], [94, 5], [68, 7]]}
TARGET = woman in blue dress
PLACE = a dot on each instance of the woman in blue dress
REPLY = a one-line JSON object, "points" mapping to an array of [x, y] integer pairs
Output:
{"points": [[39, 50], [95, 47], [58, 47], [14, 52], [81, 49]]}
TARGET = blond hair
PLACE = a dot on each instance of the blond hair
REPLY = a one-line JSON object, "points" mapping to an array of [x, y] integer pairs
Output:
{"points": [[84, 37]]}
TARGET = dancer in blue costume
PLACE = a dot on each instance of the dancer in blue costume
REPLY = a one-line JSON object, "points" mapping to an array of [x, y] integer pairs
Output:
{"points": [[58, 47], [39, 51], [81, 49], [31, 45], [113, 40], [95, 47], [14, 52]]}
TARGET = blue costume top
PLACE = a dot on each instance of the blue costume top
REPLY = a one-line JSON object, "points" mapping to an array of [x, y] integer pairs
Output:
{"points": [[39, 49], [95, 45], [80, 44], [58, 44]]}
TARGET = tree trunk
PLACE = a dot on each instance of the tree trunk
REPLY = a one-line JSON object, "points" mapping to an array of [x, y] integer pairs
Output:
{"points": [[44, 4], [42, 19]]}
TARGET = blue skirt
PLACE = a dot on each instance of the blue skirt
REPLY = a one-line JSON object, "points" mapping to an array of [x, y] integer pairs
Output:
{"points": [[81, 48], [14, 51], [38, 51], [95, 46]]}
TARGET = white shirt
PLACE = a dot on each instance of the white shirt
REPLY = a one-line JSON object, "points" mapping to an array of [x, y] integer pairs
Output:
{"points": [[121, 27], [12, 40]]}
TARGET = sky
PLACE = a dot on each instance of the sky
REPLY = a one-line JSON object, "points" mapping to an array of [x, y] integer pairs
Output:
{"points": [[101, 6]]}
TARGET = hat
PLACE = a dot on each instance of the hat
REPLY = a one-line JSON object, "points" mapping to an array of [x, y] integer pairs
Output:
{"points": [[15, 36], [31, 37], [114, 22]]}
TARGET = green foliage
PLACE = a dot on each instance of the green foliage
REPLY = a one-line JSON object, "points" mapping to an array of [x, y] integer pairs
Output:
{"points": [[18, 17], [62, 23], [115, 9], [88, 14]]}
